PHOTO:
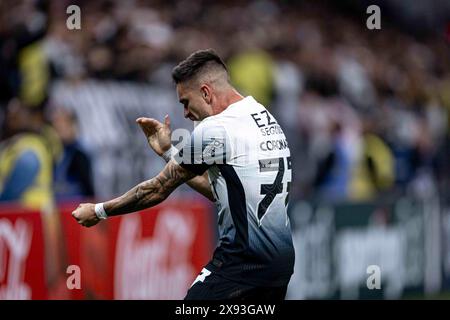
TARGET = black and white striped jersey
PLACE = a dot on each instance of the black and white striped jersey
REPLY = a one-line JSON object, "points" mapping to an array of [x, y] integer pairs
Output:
{"points": [[248, 160]]}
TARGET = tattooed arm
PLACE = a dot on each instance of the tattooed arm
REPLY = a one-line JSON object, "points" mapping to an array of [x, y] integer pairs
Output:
{"points": [[145, 195]]}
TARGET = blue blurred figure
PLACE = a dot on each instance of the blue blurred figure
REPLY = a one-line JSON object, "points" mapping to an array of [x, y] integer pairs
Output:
{"points": [[73, 173]]}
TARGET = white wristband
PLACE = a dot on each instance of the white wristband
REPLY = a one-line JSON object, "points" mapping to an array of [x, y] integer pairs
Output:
{"points": [[169, 154], [100, 211]]}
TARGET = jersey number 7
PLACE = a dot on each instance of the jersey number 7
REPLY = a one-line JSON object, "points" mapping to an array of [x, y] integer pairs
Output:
{"points": [[271, 190]]}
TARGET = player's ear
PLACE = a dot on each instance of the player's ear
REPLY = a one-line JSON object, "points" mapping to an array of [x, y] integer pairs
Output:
{"points": [[206, 93]]}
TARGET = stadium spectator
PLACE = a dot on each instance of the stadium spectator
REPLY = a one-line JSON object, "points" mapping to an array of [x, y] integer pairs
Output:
{"points": [[138, 42], [373, 173], [73, 172], [26, 162]]}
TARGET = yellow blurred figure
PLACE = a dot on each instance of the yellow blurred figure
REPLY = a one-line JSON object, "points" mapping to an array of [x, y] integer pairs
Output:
{"points": [[22, 149], [35, 74], [374, 170], [251, 72]]}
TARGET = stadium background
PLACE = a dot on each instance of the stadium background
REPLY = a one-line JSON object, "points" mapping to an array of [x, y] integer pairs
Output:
{"points": [[366, 113]]}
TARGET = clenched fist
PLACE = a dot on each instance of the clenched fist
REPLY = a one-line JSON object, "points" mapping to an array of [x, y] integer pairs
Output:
{"points": [[85, 215]]}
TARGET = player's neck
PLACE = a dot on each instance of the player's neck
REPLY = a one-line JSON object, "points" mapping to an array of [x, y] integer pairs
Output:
{"points": [[231, 97], [226, 99]]}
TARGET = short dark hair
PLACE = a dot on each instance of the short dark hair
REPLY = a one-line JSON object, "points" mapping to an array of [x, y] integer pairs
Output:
{"points": [[189, 67]]}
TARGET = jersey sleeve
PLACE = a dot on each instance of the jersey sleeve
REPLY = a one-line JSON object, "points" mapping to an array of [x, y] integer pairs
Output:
{"points": [[208, 145]]}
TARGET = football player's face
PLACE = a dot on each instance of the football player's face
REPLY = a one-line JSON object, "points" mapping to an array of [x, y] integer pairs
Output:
{"points": [[195, 106]]}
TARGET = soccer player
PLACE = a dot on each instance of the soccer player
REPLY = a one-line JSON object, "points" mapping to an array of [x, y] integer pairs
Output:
{"points": [[238, 157]]}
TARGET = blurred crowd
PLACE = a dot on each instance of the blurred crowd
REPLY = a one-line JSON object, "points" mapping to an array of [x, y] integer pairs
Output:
{"points": [[366, 112]]}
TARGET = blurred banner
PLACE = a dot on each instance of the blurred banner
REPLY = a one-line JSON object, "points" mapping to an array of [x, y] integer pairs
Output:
{"points": [[21, 255], [338, 247], [155, 254]]}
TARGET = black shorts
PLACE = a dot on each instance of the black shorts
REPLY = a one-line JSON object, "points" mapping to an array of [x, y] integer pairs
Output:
{"points": [[211, 286]]}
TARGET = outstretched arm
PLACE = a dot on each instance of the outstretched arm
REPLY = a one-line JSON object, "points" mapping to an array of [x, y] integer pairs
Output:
{"points": [[145, 195], [150, 193]]}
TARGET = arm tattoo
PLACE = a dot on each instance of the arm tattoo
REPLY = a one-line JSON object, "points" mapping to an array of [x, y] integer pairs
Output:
{"points": [[151, 192]]}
